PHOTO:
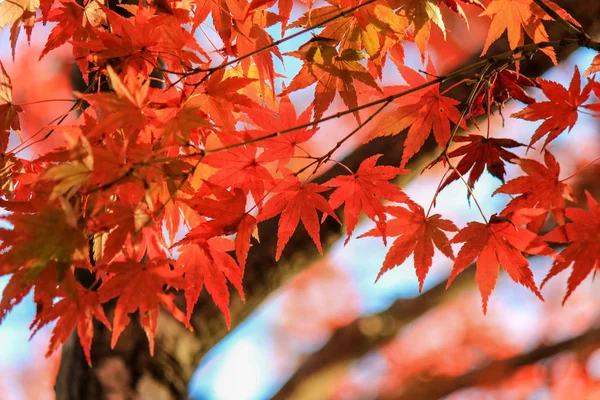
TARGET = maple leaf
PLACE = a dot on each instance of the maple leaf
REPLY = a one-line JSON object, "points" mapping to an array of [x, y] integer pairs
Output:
{"points": [[417, 234], [42, 236], [479, 153], [77, 309], [69, 177], [9, 113], [422, 112], [374, 28], [516, 16], [594, 67], [363, 191], [282, 148], [124, 282], [560, 112], [250, 35], [125, 108], [17, 12], [332, 72], [219, 98], [240, 168], [497, 244], [180, 121], [583, 250], [69, 18], [140, 41], [208, 265], [228, 213], [503, 85], [540, 189], [296, 202]]}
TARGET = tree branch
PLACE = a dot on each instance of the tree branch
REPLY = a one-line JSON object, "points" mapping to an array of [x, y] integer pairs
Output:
{"points": [[494, 372], [353, 341]]}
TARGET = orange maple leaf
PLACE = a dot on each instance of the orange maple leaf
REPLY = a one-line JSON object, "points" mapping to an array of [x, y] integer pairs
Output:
{"points": [[417, 234], [296, 202], [241, 168], [594, 67], [516, 16], [77, 309], [228, 213], [281, 148], [422, 112], [540, 189], [560, 112], [208, 265], [496, 244], [125, 278], [126, 107], [583, 250], [362, 191]]}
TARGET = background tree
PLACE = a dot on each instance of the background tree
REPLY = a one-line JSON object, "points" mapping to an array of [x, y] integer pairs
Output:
{"points": [[152, 194]]}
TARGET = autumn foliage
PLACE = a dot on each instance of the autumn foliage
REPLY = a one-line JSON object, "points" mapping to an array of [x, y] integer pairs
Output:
{"points": [[181, 147]]}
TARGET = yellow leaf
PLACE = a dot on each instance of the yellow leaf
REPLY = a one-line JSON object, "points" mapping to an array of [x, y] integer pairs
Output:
{"points": [[15, 13], [70, 178], [370, 40]]}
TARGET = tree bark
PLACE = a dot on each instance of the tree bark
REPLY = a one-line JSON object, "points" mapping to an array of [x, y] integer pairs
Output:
{"points": [[370, 332], [128, 372]]}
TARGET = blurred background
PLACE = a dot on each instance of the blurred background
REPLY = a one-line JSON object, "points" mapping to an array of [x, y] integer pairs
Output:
{"points": [[331, 332]]}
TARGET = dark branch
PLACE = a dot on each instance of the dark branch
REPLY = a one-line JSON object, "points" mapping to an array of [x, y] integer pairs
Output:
{"points": [[496, 371]]}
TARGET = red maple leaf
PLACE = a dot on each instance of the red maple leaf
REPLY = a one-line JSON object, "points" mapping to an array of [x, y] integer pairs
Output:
{"points": [[281, 148], [363, 191], [503, 85], [228, 213], [241, 168], [218, 97], [208, 265], [77, 309], [583, 251], [417, 234], [123, 220], [296, 202], [9, 113], [496, 244], [421, 112], [71, 18], [481, 152], [126, 280], [560, 112], [126, 107], [541, 189]]}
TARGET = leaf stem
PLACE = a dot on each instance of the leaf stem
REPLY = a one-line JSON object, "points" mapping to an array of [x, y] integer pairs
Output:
{"points": [[589, 164], [45, 101], [435, 194], [320, 160], [462, 178], [507, 55]]}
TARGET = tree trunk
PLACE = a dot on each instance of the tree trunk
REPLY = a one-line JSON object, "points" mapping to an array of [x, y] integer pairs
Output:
{"points": [[128, 371]]}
